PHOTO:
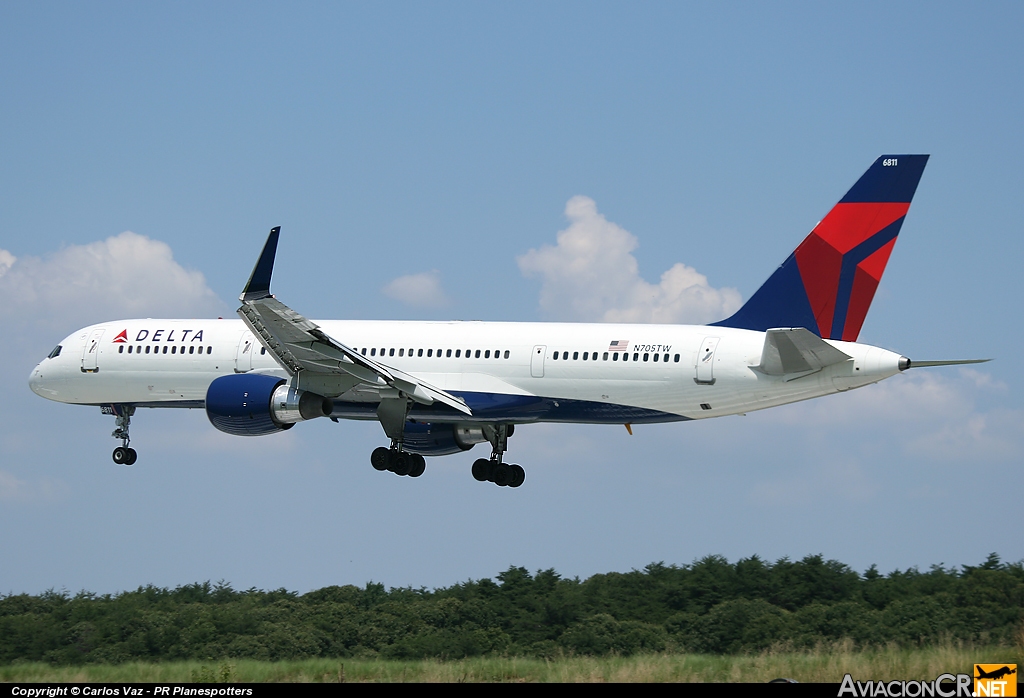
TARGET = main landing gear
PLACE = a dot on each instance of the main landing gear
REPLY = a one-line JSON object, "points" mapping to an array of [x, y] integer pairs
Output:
{"points": [[398, 461], [392, 413], [492, 469], [123, 454]]}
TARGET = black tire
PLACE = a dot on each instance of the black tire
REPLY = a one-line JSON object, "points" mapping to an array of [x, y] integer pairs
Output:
{"points": [[132, 457], [502, 475], [518, 476], [419, 464], [379, 458], [401, 463], [481, 470], [120, 455]]}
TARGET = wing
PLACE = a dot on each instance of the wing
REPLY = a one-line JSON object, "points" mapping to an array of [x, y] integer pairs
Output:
{"points": [[299, 344]]}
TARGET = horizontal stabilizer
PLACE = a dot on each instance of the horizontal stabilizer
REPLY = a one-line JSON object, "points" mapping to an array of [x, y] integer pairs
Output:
{"points": [[796, 350]]}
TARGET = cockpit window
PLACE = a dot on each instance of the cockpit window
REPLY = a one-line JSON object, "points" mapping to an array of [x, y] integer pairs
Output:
{"points": [[55, 353]]}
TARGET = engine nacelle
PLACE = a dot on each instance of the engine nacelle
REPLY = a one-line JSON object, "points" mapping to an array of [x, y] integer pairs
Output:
{"points": [[429, 439], [253, 404]]}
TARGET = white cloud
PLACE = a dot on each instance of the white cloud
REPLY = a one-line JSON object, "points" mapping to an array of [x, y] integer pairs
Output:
{"points": [[591, 274], [7, 261], [127, 275], [13, 488], [421, 290], [10, 486]]}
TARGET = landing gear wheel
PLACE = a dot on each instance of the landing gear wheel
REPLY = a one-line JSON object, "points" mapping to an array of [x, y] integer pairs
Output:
{"points": [[518, 476], [379, 458], [132, 457], [481, 470], [419, 464], [502, 475], [401, 463], [120, 455]]}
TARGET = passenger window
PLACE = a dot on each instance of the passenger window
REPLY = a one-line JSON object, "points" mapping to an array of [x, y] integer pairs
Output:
{"points": [[263, 351], [585, 355], [191, 350], [458, 353], [666, 358], [209, 350], [646, 356], [575, 355], [593, 357], [364, 351], [147, 348], [130, 349], [676, 358], [487, 354], [625, 357], [506, 353], [165, 350], [391, 352], [430, 352], [615, 356], [448, 354], [419, 352], [655, 358], [120, 350], [636, 356], [401, 352], [477, 354]]}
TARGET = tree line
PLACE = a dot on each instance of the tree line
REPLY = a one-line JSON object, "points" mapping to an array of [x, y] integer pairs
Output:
{"points": [[710, 606]]}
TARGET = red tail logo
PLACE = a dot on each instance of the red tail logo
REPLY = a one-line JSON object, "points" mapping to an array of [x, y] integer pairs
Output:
{"points": [[121, 338]]}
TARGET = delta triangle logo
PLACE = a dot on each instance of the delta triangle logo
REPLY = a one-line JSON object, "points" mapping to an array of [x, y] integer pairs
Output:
{"points": [[121, 338]]}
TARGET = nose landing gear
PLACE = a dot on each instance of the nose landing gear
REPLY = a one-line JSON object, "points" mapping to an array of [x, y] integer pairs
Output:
{"points": [[123, 454]]}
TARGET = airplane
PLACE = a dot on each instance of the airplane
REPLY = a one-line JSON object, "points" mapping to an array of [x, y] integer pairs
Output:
{"points": [[994, 674], [440, 388]]}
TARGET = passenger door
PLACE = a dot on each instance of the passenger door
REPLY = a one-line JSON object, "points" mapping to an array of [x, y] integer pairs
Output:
{"points": [[537, 361], [90, 355], [706, 361], [246, 349]]}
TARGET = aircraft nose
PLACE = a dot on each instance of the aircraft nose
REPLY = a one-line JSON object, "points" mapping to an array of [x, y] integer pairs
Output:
{"points": [[34, 379], [40, 384]]}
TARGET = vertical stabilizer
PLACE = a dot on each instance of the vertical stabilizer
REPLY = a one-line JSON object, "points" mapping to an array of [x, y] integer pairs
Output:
{"points": [[827, 284]]}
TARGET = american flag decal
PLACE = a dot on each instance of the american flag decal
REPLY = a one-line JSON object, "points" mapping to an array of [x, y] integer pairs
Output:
{"points": [[619, 345]]}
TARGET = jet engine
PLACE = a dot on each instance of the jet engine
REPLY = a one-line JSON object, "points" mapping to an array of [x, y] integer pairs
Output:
{"points": [[429, 439], [252, 404]]}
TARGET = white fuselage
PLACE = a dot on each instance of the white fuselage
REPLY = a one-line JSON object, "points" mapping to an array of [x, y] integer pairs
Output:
{"points": [[506, 372]]}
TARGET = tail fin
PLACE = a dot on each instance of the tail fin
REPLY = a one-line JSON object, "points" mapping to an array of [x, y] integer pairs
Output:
{"points": [[827, 284]]}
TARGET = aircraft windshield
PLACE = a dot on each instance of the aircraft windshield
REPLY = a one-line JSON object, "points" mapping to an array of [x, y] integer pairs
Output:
{"points": [[55, 353]]}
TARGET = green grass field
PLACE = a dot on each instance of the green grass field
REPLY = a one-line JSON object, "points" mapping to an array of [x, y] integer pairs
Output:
{"points": [[824, 665]]}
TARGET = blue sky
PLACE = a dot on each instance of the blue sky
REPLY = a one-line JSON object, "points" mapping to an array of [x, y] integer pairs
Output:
{"points": [[431, 147]]}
